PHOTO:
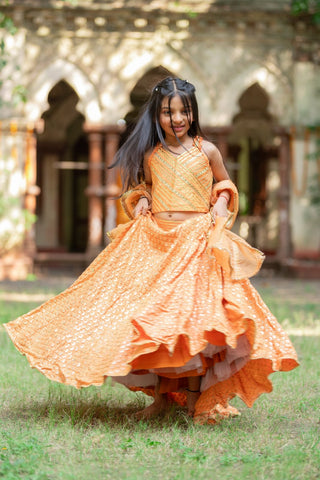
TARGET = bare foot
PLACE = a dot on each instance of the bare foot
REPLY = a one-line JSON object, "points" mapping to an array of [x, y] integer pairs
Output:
{"points": [[192, 398], [157, 407]]}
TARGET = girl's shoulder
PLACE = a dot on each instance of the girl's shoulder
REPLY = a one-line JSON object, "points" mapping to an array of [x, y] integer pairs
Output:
{"points": [[150, 152], [209, 146], [147, 161], [210, 150]]}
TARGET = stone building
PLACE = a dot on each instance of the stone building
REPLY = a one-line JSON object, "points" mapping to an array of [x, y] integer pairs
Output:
{"points": [[88, 66]]}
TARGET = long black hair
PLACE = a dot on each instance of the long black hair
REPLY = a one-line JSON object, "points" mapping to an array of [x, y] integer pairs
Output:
{"points": [[148, 132]]}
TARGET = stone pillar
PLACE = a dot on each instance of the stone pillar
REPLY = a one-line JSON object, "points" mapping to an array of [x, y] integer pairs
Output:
{"points": [[32, 190], [112, 136], [220, 137], [222, 142], [94, 192], [284, 248], [18, 161]]}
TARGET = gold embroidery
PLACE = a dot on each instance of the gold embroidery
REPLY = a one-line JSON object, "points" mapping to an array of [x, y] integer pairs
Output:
{"points": [[180, 182]]}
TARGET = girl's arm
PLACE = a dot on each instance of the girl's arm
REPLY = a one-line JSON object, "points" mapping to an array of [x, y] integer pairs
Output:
{"points": [[143, 205], [220, 208], [216, 162]]}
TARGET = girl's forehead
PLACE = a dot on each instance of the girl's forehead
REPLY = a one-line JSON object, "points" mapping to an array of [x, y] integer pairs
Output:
{"points": [[175, 101]]}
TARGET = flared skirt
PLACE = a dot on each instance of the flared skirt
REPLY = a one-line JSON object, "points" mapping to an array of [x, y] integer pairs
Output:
{"points": [[154, 303]]}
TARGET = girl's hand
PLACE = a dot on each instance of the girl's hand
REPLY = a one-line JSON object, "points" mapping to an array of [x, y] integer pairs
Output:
{"points": [[142, 207], [220, 208]]}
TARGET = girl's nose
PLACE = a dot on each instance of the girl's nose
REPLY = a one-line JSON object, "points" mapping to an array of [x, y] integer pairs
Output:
{"points": [[177, 118]]}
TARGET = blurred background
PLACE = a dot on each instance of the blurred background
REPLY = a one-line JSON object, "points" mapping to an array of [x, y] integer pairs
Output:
{"points": [[74, 75]]}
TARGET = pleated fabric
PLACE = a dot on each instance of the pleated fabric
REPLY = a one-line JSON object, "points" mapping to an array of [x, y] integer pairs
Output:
{"points": [[154, 302]]}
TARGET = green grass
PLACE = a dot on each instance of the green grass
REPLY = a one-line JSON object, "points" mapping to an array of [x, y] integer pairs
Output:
{"points": [[50, 431]]}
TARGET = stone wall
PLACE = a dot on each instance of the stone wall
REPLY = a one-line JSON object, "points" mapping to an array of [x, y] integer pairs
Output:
{"points": [[102, 48]]}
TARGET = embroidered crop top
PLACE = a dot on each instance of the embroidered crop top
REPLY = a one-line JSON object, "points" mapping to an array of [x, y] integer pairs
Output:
{"points": [[180, 182]]}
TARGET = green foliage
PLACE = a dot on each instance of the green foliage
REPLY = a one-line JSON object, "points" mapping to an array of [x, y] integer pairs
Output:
{"points": [[311, 7], [7, 24], [19, 93], [314, 188], [190, 13]]}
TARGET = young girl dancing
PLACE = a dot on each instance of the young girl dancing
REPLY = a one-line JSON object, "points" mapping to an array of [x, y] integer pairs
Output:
{"points": [[167, 307]]}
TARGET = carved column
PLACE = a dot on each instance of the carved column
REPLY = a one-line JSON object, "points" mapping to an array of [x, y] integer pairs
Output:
{"points": [[32, 190], [94, 192], [112, 137], [222, 142], [220, 137], [284, 248]]}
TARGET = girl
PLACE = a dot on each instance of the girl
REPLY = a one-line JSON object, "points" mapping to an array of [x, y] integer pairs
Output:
{"points": [[167, 307]]}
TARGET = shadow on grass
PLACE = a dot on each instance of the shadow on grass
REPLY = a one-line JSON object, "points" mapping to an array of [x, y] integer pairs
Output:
{"points": [[85, 414]]}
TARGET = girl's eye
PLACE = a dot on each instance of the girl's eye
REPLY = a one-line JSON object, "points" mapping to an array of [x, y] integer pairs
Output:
{"points": [[168, 112]]}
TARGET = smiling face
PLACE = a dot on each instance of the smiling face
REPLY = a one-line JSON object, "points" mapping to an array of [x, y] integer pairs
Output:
{"points": [[175, 119]]}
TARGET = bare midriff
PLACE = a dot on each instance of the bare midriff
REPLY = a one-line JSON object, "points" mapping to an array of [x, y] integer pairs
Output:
{"points": [[177, 215]]}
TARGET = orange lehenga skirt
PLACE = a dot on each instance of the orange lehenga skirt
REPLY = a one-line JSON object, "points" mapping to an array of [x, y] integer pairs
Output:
{"points": [[157, 302]]}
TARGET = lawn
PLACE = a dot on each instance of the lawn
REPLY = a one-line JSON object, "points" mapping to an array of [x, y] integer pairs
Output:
{"points": [[52, 431]]}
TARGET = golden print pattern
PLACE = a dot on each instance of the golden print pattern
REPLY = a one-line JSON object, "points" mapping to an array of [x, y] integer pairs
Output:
{"points": [[154, 302], [180, 182]]}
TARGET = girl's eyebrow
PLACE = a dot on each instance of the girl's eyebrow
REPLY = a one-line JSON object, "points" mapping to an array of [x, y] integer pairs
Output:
{"points": [[187, 107]]}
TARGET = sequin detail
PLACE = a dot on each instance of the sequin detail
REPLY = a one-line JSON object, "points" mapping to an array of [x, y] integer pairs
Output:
{"points": [[181, 182], [152, 300]]}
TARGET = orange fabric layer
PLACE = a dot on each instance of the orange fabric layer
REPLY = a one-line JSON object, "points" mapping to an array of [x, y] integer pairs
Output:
{"points": [[130, 198], [155, 299], [238, 259], [167, 224], [180, 182], [233, 204]]}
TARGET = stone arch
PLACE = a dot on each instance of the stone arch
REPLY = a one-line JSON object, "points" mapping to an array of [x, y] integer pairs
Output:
{"points": [[274, 84], [254, 119], [252, 131], [62, 156], [62, 119], [46, 79], [255, 157]]}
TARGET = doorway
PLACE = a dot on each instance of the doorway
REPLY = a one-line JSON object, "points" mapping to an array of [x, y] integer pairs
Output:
{"points": [[254, 154], [62, 171]]}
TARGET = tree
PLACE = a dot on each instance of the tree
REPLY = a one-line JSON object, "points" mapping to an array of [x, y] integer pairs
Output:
{"points": [[311, 7], [15, 220], [7, 27]]}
